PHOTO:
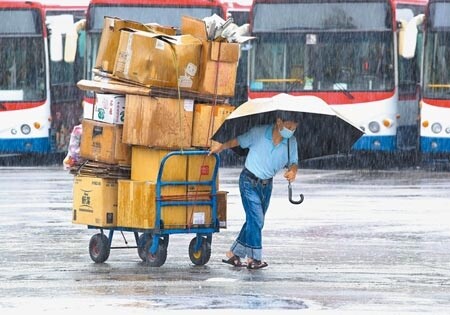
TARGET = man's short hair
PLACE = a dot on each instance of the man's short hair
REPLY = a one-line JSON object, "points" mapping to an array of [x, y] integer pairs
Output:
{"points": [[288, 116]]}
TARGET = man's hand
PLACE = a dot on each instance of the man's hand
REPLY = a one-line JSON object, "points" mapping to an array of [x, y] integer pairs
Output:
{"points": [[291, 173], [216, 148]]}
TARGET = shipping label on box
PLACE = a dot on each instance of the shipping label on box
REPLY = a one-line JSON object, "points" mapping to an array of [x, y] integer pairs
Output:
{"points": [[88, 110], [159, 60], [109, 108], [158, 122], [94, 201]]}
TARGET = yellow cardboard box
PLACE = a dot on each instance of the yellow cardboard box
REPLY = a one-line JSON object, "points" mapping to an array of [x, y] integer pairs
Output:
{"points": [[219, 62], [109, 41], [201, 168], [222, 208], [153, 59], [158, 122], [145, 165], [94, 201], [202, 214], [137, 207], [102, 142], [207, 119]]}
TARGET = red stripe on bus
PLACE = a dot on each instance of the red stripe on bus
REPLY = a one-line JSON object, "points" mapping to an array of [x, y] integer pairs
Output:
{"points": [[6, 106], [437, 102], [335, 98]]}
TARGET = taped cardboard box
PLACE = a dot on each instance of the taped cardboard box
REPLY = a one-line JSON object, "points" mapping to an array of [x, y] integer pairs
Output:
{"points": [[109, 41], [137, 207], [94, 201], [158, 60], [218, 66], [207, 119], [158, 122], [102, 142]]}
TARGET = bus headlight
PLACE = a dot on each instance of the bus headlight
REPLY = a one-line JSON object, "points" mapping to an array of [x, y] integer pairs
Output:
{"points": [[26, 129], [387, 122], [436, 127], [14, 131], [447, 130], [374, 127]]}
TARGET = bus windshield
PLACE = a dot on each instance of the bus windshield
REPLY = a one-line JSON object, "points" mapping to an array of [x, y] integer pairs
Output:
{"points": [[166, 15], [436, 70], [437, 52], [22, 68], [322, 61], [22, 60]]}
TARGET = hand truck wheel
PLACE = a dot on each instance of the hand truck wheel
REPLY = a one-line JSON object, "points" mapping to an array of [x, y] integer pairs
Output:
{"points": [[203, 254], [99, 248]]}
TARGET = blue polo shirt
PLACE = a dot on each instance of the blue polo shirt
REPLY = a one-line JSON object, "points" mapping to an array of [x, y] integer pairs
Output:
{"points": [[265, 159]]}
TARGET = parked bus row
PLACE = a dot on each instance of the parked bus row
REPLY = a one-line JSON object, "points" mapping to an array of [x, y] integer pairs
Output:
{"points": [[349, 53]]}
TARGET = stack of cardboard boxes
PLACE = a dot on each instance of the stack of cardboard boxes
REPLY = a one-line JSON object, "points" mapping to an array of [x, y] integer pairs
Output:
{"points": [[139, 130]]}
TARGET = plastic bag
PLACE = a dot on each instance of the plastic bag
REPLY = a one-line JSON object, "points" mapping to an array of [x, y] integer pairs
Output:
{"points": [[73, 153]]}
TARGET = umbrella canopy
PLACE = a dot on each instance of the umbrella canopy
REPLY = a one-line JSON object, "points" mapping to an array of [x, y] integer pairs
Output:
{"points": [[321, 130]]}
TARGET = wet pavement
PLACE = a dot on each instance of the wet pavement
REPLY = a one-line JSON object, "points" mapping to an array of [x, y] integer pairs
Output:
{"points": [[362, 242]]}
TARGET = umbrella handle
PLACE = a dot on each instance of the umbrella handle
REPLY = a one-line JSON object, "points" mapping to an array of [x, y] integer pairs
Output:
{"points": [[290, 196]]}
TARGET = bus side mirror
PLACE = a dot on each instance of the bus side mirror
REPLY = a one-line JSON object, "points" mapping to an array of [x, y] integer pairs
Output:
{"points": [[70, 49], [407, 39]]}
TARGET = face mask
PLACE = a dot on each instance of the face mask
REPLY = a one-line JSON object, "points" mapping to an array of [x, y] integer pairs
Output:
{"points": [[286, 133]]}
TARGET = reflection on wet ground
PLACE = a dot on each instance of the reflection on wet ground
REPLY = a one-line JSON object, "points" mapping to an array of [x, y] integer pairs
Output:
{"points": [[362, 240]]}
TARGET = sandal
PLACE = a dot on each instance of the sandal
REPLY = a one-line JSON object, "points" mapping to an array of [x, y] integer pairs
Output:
{"points": [[256, 264], [234, 261]]}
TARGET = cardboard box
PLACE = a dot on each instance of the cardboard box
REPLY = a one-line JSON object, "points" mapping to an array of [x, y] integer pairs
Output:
{"points": [[158, 60], [218, 66], [137, 207], [201, 168], [207, 119], [94, 201], [102, 142], [202, 214], [146, 163], [109, 41], [199, 214], [158, 122], [222, 208], [109, 108]]}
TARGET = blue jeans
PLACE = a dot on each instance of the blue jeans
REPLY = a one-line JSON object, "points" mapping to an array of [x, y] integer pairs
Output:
{"points": [[255, 195]]}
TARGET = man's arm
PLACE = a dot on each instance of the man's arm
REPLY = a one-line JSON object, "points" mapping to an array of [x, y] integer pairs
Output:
{"points": [[219, 147]]}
